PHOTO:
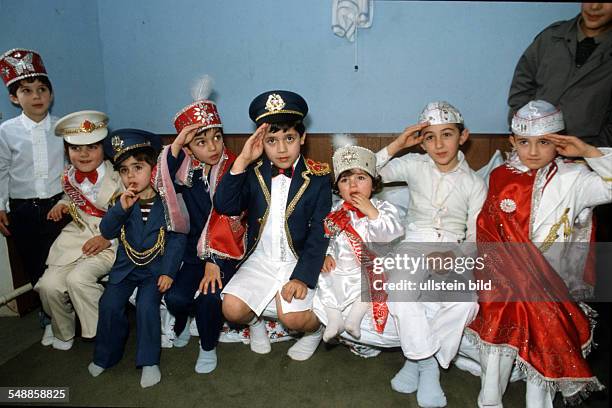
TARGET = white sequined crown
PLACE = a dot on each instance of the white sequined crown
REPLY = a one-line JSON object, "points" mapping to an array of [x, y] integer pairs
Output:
{"points": [[537, 118], [439, 113]]}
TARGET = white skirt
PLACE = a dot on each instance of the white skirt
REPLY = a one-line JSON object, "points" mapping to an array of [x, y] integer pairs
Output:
{"points": [[259, 279]]}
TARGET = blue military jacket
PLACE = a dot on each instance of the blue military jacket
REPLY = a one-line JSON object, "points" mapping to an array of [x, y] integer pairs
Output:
{"points": [[308, 202], [142, 236]]}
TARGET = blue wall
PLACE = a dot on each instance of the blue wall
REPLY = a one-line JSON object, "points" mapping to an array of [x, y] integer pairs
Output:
{"points": [[415, 52], [66, 34]]}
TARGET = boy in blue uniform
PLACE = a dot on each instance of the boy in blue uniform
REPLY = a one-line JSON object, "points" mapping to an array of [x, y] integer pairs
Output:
{"points": [[148, 257], [189, 170], [286, 198]]}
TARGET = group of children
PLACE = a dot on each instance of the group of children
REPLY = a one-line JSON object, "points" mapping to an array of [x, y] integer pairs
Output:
{"points": [[257, 235]]}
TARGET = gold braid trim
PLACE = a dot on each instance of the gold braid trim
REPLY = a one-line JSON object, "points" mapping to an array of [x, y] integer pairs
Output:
{"points": [[608, 179], [72, 210], [553, 233], [147, 256]]}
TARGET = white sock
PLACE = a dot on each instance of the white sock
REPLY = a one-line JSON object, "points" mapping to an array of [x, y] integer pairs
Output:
{"points": [[354, 318], [182, 339], [305, 347], [406, 380], [429, 393], [94, 369], [207, 361], [150, 376], [47, 338], [335, 324], [260, 342]]}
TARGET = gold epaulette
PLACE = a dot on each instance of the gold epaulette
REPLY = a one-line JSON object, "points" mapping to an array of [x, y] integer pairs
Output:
{"points": [[318, 168]]}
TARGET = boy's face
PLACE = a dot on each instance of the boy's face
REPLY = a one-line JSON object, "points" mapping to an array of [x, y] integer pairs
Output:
{"points": [[135, 174], [441, 142], [356, 181], [283, 147], [34, 98], [207, 146], [535, 152], [86, 158], [596, 18]]}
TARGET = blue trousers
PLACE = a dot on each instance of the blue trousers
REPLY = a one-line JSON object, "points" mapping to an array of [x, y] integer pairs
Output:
{"points": [[205, 308], [113, 326]]}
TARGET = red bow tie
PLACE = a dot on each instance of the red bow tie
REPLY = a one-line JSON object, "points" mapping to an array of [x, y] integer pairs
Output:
{"points": [[351, 207], [80, 176], [285, 172]]}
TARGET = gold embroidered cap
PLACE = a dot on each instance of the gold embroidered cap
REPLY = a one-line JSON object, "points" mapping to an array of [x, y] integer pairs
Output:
{"points": [[277, 106], [83, 127]]}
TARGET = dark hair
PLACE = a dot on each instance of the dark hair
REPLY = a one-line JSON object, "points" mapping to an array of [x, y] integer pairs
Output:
{"points": [[377, 184], [146, 154], [67, 146], [284, 126], [14, 87]]}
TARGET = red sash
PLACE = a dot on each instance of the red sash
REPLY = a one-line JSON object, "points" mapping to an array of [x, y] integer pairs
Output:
{"points": [[77, 197], [550, 337], [340, 221]]}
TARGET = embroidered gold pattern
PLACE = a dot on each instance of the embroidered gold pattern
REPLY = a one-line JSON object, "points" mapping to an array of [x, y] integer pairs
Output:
{"points": [[147, 256], [553, 233]]}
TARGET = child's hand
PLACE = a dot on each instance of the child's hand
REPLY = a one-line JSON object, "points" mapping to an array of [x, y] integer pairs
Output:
{"points": [[409, 137], [571, 146], [363, 204], [57, 212], [212, 276], [294, 289], [95, 245], [184, 138], [163, 283], [128, 198], [4, 223], [329, 264], [253, 148]]}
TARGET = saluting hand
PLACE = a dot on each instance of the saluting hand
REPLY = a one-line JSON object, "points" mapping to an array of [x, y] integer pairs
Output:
{"points": [[409, 137], [253, 148], [571, 146], [184, 138]]}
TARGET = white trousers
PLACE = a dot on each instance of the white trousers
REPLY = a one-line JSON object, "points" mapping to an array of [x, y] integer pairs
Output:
{"points": [[496, 370], [72, 288]]}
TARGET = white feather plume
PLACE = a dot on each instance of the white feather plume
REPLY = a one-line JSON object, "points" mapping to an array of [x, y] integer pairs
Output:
{"points": [[202, 88], [342, 139]]}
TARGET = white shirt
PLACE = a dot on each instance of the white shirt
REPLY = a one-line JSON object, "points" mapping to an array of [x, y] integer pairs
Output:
{"points": [[273, 242], [31, 159], [445, 202]]}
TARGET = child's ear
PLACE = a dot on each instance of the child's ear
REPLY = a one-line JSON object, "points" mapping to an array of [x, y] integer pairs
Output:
{"points": [[512, 141], [14, 100], [464, 136], [303, 138]]}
